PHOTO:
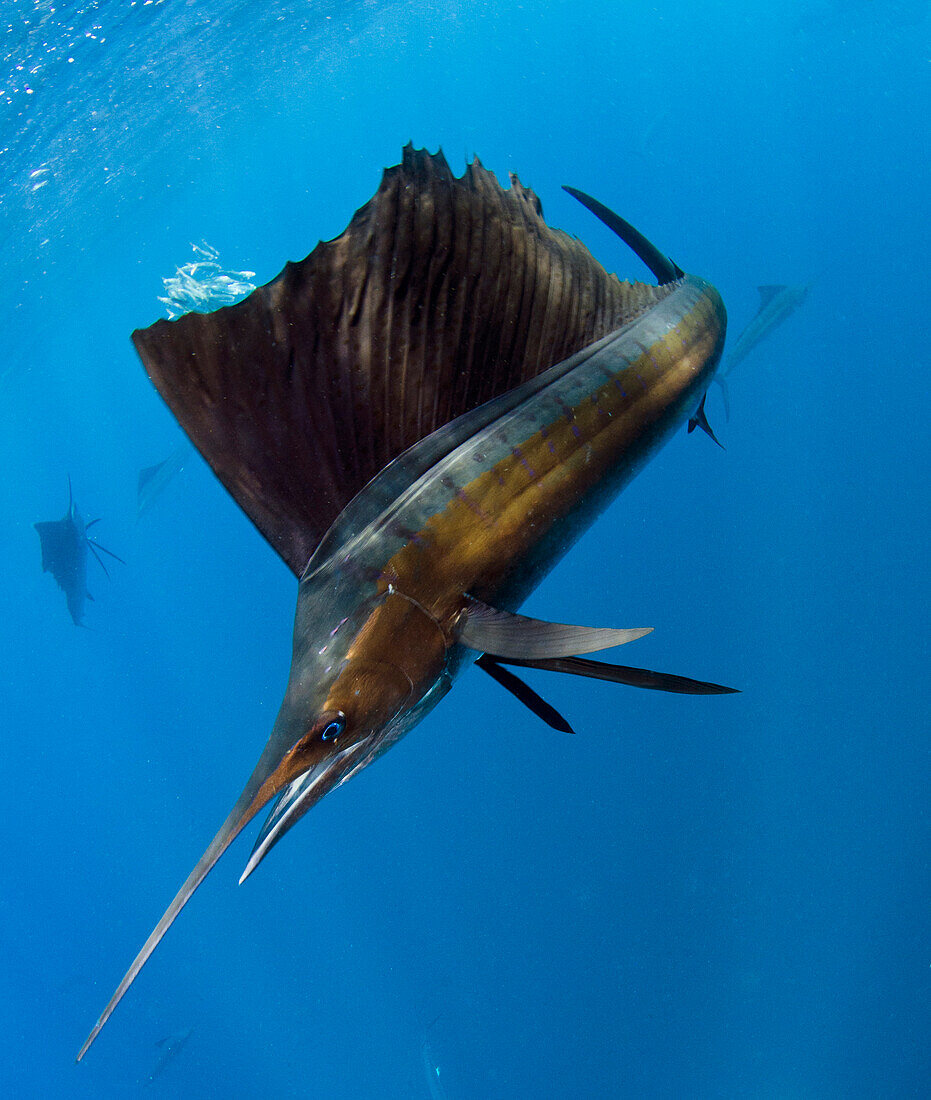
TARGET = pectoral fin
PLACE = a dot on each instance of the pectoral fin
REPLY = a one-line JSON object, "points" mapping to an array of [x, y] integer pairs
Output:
{"points": [[624, 674], [504, 634]]}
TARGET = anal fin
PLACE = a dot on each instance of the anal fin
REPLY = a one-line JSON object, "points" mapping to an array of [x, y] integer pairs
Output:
{"points": [[700, 420]]}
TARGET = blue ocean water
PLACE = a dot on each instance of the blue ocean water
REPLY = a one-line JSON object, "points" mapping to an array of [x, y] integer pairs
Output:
{"points": [[694, 897]]}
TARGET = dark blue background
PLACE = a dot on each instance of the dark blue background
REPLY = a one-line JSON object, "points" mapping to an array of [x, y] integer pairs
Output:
{"points": [[693, 897]]}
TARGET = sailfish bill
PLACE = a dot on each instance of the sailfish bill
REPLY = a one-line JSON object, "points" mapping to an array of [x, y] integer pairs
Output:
{"points": [[421, 417]]}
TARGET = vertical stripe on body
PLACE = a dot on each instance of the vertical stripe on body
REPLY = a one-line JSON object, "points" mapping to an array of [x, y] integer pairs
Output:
{"points": [[557, 448]]}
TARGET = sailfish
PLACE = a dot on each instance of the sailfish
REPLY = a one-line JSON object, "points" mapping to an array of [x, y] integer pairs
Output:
{"points": [[778, 301], [65, 544], [421, 417]]}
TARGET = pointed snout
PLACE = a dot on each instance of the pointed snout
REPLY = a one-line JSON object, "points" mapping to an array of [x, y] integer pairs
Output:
{"points": [[365, 698], [298, 796]]}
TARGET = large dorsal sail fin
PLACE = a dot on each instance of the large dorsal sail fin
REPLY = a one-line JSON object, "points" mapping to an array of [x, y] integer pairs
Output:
{"points": [[57, 539], [441, 294], [662, 267]]}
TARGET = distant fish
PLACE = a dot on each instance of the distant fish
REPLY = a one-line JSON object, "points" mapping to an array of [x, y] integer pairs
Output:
{"points": [[647, 139], [64, 555], [204, 285], [421, 417], [432, 1074], [171, 1046], [777, 303], [153, 479]]}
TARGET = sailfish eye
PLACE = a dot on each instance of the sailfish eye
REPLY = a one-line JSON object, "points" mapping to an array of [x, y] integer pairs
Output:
{"points": [[333, 729]]}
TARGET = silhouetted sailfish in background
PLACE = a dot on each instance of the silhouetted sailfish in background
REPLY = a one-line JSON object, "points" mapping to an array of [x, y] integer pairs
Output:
{"points": [[433, 1075], [171, 1046], [421, 418], [777, 303], [152, 480], [64, 555]]}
